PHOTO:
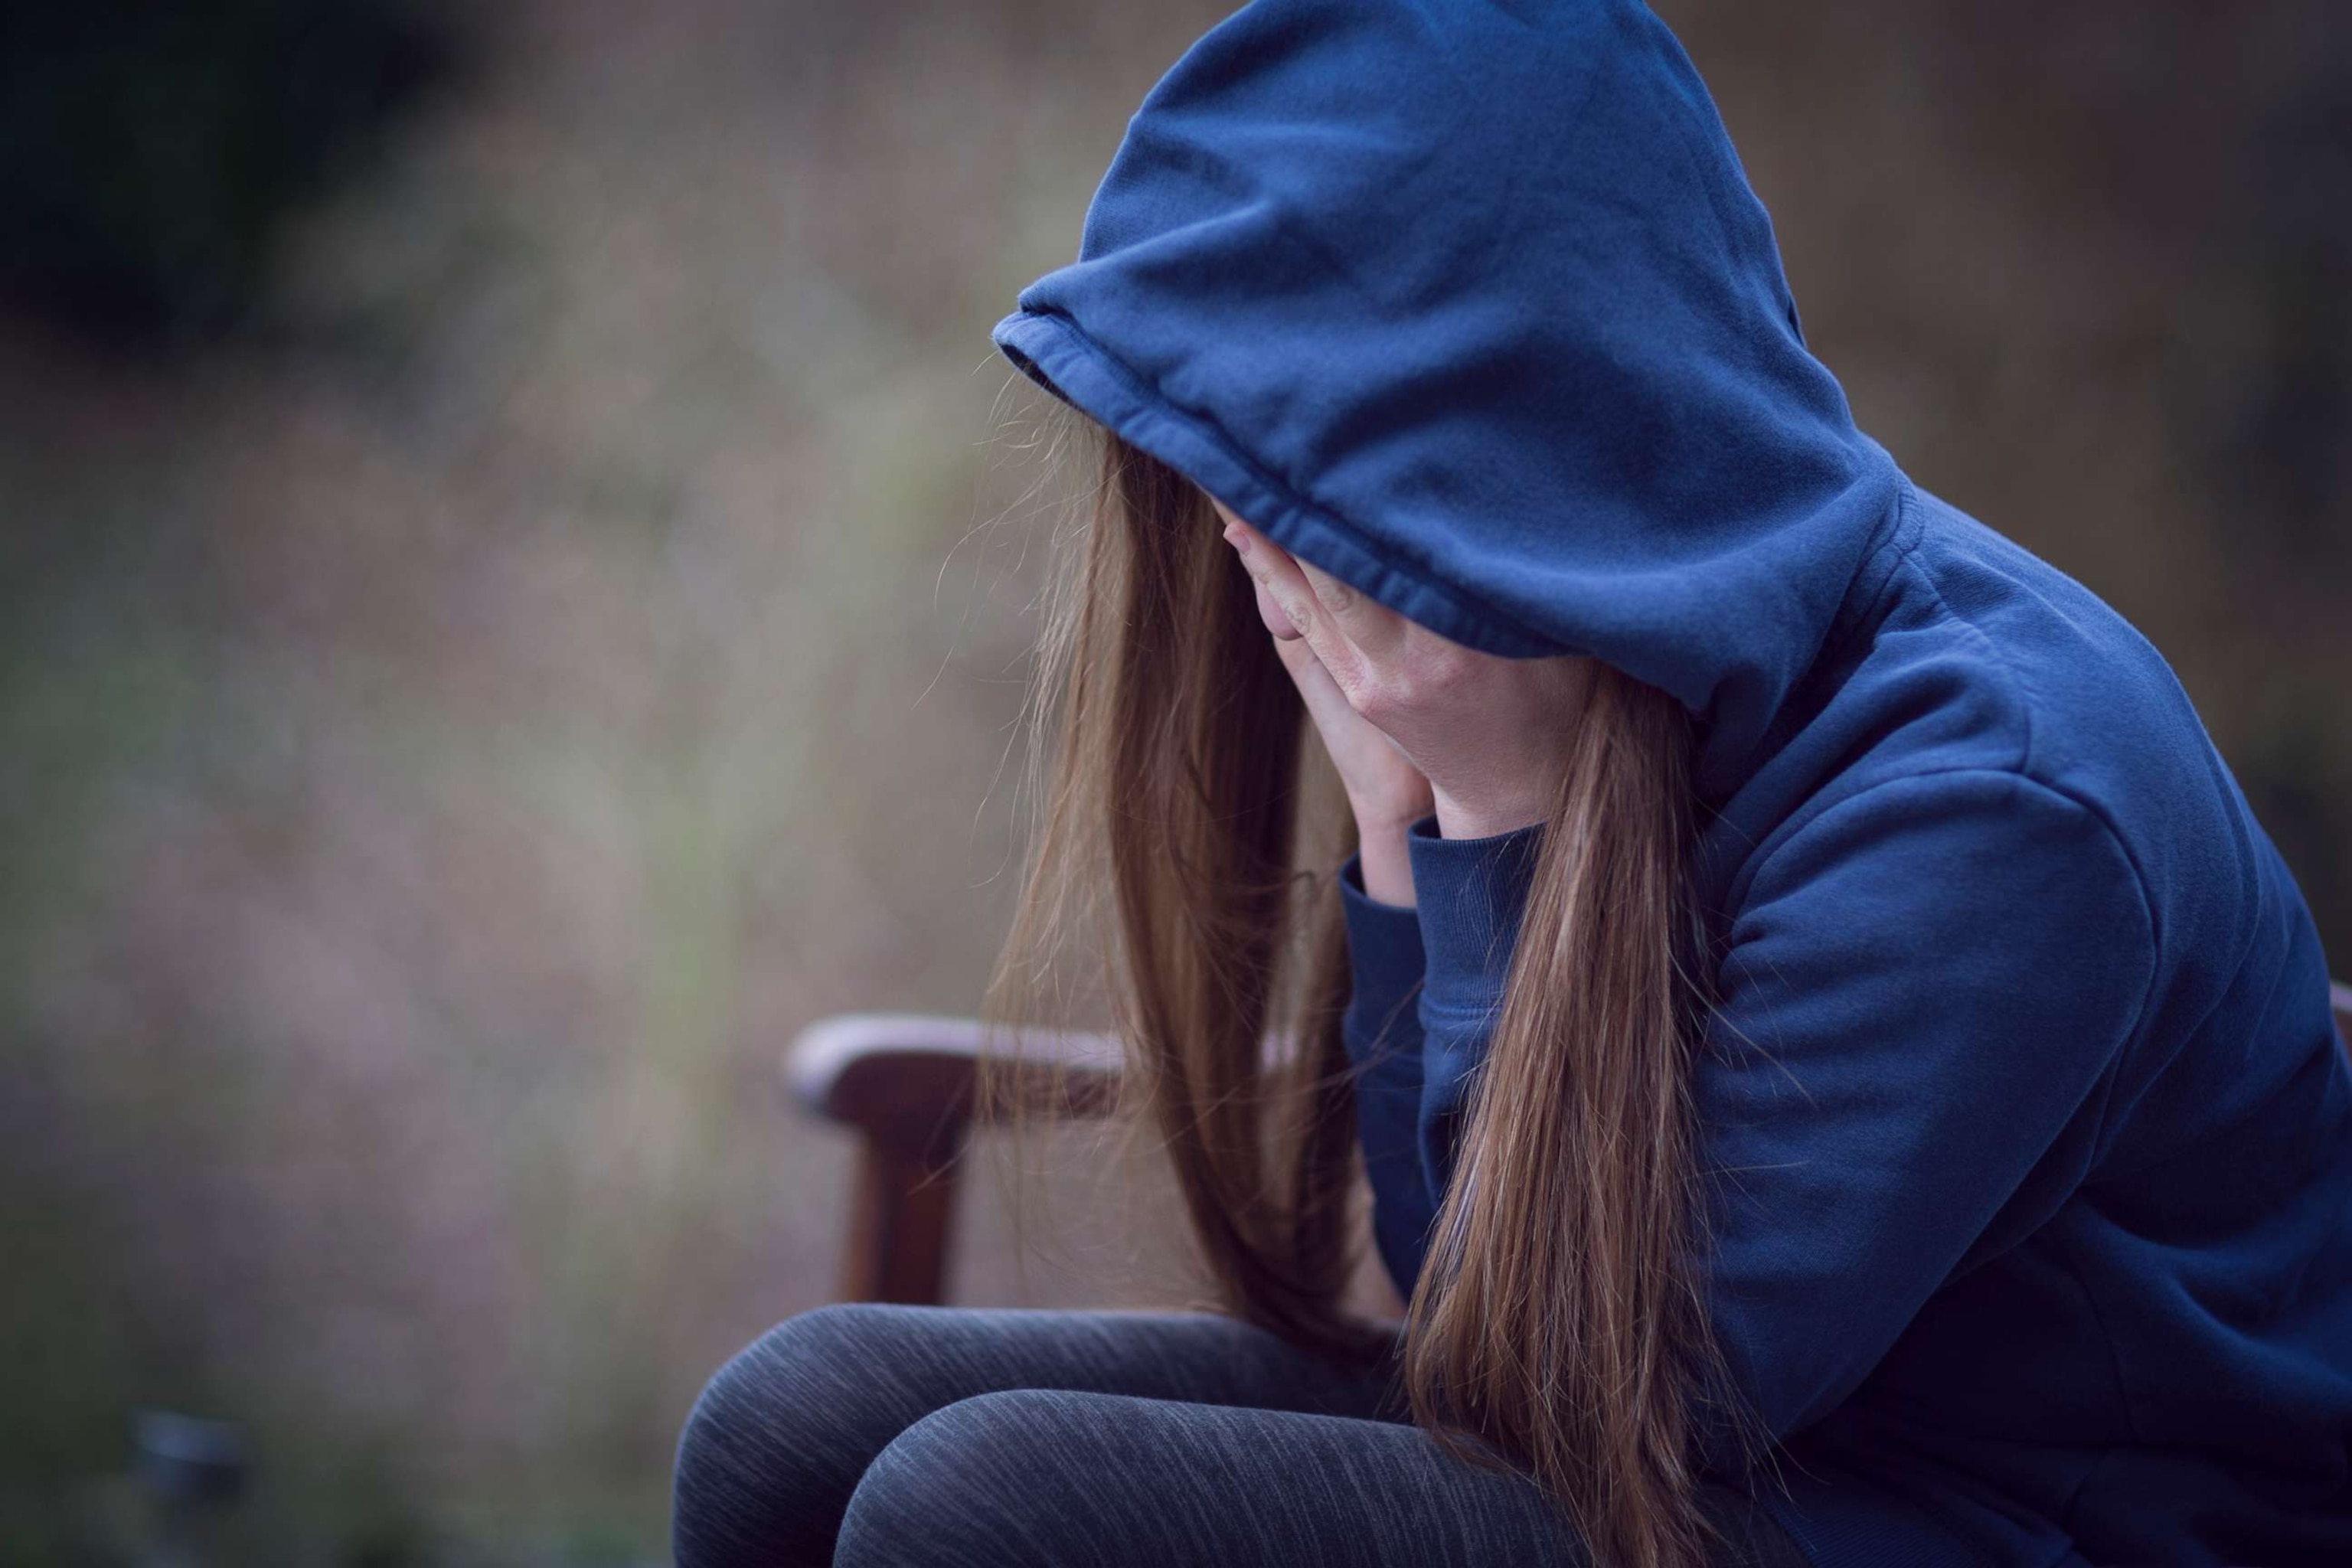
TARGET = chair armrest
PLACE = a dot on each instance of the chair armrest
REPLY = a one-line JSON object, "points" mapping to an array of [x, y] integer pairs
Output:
{"points": [[902, 1076], [907, 1083]]}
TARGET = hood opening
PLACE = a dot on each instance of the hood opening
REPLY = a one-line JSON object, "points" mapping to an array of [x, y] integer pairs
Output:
{"points": [[1477, 313]]}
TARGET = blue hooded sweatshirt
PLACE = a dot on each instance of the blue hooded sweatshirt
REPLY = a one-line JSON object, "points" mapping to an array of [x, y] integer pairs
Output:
{"points": [[2028, 1133]]}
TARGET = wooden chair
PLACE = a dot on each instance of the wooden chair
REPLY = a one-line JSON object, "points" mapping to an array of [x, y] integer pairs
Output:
{"points": [[904, 1084]]}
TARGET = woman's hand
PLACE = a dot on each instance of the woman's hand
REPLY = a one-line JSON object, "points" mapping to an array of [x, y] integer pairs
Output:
{"points": [[1385, 791], [1490, 736]]}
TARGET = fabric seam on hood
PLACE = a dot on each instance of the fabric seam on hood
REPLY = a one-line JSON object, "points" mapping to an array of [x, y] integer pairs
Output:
{"points": [[1862, 602], [1469, 609]]}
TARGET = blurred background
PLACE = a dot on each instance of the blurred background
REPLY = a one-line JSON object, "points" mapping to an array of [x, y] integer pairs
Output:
{"points": [[514, 591]]}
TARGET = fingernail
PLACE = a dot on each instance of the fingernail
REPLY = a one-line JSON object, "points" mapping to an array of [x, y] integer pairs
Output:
{"points": [[1237, 539]]}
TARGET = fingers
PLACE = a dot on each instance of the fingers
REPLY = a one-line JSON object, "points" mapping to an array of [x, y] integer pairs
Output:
{"points": [[1372, 627], [1326, 705], [1349, 632], [1271, 614], [1278, 578]]}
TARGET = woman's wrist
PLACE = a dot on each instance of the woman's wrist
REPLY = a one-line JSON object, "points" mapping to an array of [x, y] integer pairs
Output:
{"points": [[1383, 857], [1490, 819]]}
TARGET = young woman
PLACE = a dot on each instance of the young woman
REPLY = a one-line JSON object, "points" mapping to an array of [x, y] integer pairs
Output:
{"points": [[1841, 1076]]}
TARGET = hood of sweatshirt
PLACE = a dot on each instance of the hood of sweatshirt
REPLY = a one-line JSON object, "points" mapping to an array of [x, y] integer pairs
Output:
{"points": [[1469, 303]]}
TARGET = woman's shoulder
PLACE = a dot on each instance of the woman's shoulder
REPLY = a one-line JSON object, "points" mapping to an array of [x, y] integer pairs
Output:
{"points": [[1981, 656], [1992, 706]]}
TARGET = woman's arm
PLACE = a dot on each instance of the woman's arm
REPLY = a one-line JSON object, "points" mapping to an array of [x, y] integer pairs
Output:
{"points": [[1474, 892], [1382, 1030], [1930, 988], [1427, 982]]}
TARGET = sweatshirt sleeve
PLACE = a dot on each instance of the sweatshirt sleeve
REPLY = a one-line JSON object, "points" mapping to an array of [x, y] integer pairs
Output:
{"points": [[1925, 986], [1382, 1032], [1414, 1052], [1471, 893]]}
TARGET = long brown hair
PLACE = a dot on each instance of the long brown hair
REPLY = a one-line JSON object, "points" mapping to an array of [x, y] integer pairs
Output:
{"points": [[1189, 829]]}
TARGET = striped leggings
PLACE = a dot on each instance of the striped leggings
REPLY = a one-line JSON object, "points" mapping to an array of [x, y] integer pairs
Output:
{"points": [[946, 1437]]}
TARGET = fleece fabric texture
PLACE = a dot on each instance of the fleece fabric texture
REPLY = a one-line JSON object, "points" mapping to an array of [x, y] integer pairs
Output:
{"points": [[2027, 1134]]}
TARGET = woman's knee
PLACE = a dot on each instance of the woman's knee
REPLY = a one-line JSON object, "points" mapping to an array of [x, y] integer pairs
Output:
{"points": [[1015, 1477], [777, 1441]]}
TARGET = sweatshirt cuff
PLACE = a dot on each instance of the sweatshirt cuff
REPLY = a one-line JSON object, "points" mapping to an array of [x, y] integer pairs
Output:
{"points": [[1384, 962], [1471, 893]]}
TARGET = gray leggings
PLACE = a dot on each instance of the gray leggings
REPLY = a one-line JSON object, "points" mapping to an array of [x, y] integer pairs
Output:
{"points": [[943, 1437]]}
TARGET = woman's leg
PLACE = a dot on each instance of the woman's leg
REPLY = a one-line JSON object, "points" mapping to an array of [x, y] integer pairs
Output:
{"points": [[1043, 1479], [784, 1432]]}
